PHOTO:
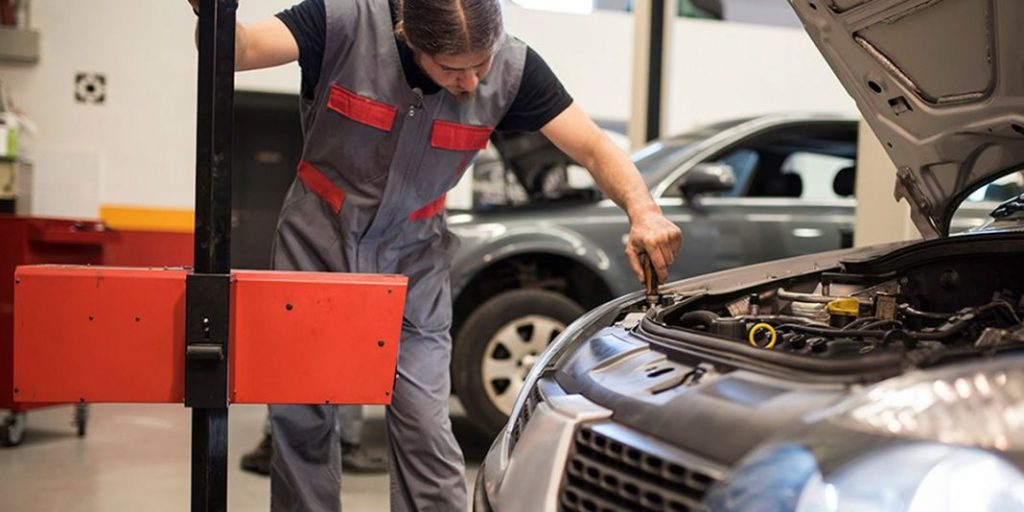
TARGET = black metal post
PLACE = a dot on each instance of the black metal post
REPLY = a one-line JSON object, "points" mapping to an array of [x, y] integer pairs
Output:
{"points": [[655, 69], [208, 296]]}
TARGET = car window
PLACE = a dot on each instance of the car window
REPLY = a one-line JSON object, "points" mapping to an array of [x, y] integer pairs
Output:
{"points": [[814, 162], [1002, 189], [972, 211], [817, 173]]}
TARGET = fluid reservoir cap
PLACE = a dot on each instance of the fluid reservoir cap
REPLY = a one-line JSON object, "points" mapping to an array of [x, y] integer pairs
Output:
{"points": [[844, 307]]}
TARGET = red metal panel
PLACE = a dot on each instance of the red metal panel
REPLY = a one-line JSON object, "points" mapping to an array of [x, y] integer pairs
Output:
{"points": [[99, 334], [307, 337], [105, 334]]}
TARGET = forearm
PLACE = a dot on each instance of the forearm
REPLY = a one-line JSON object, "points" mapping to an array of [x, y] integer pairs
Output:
{"points": [[579, 137], [619, 179], [650, 233]]}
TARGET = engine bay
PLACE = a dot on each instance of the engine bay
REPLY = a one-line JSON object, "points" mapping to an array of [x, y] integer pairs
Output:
{"points": [[969, 303]]}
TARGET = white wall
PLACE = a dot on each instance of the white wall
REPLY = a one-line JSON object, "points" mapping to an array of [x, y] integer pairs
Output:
{"points": [[133, 148], [880, 218], [723, 70], [138, 147], [592, 54], [718, 70]]}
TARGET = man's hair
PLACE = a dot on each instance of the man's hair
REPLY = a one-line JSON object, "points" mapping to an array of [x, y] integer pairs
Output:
{"points": [[450, 27]]}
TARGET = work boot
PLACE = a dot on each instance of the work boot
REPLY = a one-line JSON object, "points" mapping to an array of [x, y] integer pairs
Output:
{"points": [[355, 459], [258, 460]]}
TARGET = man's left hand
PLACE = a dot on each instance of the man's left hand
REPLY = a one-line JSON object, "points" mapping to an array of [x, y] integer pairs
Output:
{"points": [[657, 237]]}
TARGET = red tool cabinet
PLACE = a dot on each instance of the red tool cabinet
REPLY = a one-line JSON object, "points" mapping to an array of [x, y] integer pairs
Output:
{"points": [[26, 241]]}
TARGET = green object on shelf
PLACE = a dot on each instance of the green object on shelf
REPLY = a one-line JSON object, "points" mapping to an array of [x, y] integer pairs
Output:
{"points": [[12, 143], [691, 9]]}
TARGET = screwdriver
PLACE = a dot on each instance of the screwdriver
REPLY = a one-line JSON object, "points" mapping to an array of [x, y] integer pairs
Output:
{"points": [[650, 281]]}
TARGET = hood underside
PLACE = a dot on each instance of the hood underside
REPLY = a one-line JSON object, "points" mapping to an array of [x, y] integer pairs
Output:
{"points": [[941, 83]]}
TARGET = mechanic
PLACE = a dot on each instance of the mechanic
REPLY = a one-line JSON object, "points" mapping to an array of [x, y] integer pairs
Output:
{"points": [[397, 98]]}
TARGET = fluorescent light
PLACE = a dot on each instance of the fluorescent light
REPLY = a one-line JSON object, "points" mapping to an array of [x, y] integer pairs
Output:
{"points": [[569, 6]]}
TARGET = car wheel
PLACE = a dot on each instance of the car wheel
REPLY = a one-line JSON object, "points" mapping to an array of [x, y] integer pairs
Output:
{"points": [[497, 346]]}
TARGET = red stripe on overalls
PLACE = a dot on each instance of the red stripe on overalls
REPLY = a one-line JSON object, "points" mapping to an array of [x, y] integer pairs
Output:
{"points": [[429, 210], [459, 137], [363, 110], [320, 185]]}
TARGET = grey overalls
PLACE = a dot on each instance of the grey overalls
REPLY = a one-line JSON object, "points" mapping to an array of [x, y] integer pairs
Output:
{"points": [[369, 197]]}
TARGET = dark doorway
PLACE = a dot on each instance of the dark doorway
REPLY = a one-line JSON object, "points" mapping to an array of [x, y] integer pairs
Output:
{"points": [[268, 145]]}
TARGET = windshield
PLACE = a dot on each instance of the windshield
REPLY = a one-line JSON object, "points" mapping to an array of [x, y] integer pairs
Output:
{"points": [[663, 156], [552, 177], [999, 199]]}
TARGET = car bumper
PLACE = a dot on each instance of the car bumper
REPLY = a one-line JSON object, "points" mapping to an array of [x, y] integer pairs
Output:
{"points": [[571, 455]]}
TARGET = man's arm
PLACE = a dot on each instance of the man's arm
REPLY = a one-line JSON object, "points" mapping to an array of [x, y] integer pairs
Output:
{"points": [[650, 232], [263, 44]]}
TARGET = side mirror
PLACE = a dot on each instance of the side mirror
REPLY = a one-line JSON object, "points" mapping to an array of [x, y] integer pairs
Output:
{"points": [[706, 178]]}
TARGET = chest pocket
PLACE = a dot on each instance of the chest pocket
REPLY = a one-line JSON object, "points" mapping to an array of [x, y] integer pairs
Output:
{"points": [[366, 127], [453, 145], [458, 144]]}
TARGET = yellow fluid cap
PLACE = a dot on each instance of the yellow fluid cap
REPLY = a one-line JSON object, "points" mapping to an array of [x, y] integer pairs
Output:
{"points": [[844, 307], [752, 335]]}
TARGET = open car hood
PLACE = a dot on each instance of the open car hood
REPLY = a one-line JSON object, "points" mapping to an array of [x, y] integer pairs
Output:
{"points": [[941, 83]]}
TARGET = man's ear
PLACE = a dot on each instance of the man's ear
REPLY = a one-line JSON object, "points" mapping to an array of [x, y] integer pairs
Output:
{"points": [[400, 33]]}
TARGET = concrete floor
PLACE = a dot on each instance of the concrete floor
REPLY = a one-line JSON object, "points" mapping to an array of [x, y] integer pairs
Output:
{"points": [[137, 457]]}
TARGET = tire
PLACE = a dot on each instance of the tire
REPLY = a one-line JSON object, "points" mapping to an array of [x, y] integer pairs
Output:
{"points": [[13, 432], [489, 365]]}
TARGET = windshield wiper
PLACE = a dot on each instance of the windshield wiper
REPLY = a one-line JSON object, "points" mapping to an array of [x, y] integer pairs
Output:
{"points": [[1008, 208]]}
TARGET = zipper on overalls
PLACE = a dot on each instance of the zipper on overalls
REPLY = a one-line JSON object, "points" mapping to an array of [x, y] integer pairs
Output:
{"points": [[416, 91]]}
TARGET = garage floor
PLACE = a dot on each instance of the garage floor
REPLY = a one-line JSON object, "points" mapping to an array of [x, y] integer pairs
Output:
{"points": [[137, 457]]}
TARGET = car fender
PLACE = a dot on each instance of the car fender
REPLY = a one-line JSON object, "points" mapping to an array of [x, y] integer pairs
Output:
{"points": [[485, 245]]}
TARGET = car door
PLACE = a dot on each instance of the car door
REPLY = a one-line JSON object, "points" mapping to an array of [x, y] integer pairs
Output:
{"points": [[793, 196]]}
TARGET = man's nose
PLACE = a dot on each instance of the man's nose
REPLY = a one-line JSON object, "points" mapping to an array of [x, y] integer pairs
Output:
{"points": [[469, 81]]}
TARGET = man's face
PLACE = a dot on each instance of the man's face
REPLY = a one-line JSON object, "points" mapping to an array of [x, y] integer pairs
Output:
{"points": [[459, 74]]}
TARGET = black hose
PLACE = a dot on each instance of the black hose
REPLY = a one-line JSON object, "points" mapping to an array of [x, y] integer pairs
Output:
{"points": [[882, 323], [859, 322], [822, 331], [699, 318]]}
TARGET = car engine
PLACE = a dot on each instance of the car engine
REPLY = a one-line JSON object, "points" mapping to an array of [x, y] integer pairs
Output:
{"points": [[968, 304]]}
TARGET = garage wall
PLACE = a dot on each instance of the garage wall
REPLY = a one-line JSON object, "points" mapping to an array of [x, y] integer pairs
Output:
{"points": [[724, 70], [137, 148], [132, 148]]}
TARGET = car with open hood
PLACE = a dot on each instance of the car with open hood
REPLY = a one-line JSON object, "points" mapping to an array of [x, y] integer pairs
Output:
{"points": [[544, 246], [882, 378]]}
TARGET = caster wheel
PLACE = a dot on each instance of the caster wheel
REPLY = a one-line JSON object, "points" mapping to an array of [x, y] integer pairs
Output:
{"points": [[13, 429], [81, 418]]}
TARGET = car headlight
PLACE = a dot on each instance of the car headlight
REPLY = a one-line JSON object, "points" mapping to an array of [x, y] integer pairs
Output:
{"points": [[980, 404], [920, 477], [927, 441]]}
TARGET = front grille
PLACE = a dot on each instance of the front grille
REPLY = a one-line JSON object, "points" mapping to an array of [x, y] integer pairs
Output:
{"points": [[607, 475], [529, 406]]}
